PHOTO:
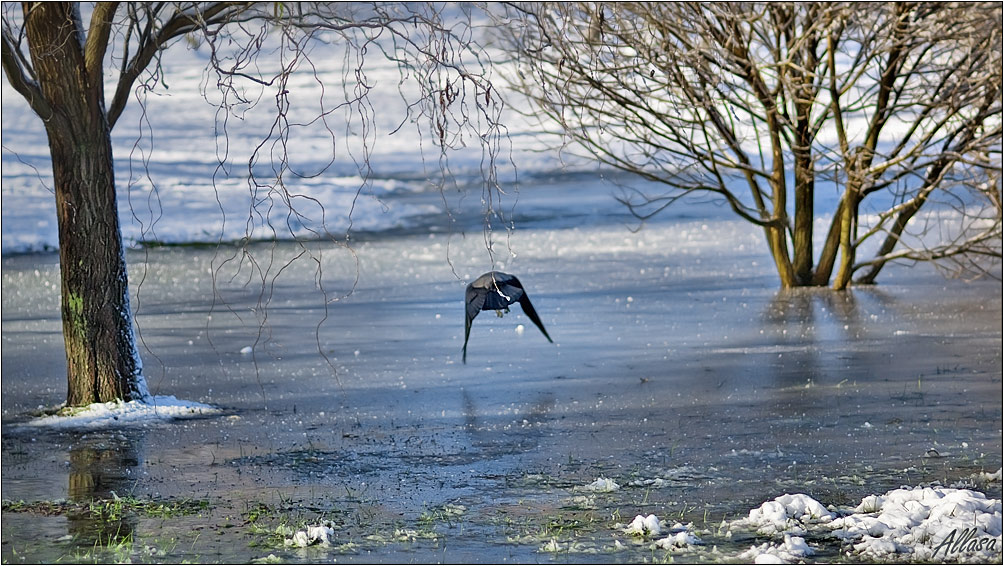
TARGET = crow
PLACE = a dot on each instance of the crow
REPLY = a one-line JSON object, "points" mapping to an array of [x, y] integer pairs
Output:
{"points": [[495, 291]]}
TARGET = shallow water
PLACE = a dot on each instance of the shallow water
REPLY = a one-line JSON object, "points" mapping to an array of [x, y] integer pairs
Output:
{"points": [[678, 371]]}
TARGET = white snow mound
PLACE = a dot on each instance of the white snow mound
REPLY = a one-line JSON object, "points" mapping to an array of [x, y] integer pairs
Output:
{"points": [[119, 413], [793, 549], [644, 526], [939, 524], [785, 514], [319, 535], [926, 522], [680, 537]]}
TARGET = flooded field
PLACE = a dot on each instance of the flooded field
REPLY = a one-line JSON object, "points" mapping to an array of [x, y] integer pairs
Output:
{"points": [[687, 410], [681, 384]]}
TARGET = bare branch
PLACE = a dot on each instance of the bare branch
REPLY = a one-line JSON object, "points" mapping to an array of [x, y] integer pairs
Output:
{"points": [[154, 39], [885, 103], [97, 40], [19, 72]]}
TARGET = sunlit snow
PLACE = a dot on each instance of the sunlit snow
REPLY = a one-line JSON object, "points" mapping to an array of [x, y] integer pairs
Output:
{"points": [[921, 523], [118, 413], [601, 485], [644, 526]]}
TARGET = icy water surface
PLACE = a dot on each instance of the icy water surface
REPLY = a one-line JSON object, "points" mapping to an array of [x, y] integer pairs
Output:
{"points": [[678, 372]]}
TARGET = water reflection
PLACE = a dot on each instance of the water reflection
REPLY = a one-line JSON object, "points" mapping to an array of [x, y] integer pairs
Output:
{"points": [[103, 468], [823, 337], [489, 441], [804, 318]]}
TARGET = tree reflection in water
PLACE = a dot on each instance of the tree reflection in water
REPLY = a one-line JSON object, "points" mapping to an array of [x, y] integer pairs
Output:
{"points": [[102, 470]]}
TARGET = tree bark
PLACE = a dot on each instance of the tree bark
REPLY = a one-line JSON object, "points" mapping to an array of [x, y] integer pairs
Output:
{"points": [[804, 91], [804, 216], [848, 235], [777, 242], [828, 257], [102, 360]]}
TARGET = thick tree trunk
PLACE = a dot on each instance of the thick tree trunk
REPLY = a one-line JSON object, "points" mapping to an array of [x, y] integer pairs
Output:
{"points": [[101, 357], [777, 241], [848, 247], [804, 216], [805, 186], [828, 257], [102, 360], [777, 237]]}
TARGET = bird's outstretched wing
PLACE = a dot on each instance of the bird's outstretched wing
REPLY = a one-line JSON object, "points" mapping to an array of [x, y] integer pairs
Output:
{"points": [[524, 301], [496, 291], [474, 300]]}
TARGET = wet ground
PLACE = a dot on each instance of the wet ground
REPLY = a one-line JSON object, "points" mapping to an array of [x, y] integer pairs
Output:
{"points": [[678, 371]]}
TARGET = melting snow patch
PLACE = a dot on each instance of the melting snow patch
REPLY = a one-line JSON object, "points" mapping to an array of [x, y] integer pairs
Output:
{"points": [[679, 537], [927, 523], [786, 514], [793, 549], [642, 526], [681, 475], [648, 527], [118, 413], [656, 482], [996, 476], [601, 485], [320, 535]]}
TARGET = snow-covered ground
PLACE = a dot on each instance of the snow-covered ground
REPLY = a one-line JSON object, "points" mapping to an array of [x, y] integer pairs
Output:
{"points": [[182, 165]]}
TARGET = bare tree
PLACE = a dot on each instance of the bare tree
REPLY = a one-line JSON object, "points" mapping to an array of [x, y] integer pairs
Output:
{"points": [[896, 106], [58, 64]]}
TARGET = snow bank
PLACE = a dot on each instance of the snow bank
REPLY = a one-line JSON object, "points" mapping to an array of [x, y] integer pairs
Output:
{"points": [[925, 523], [169, 147], [118, 413], [928, 523]]}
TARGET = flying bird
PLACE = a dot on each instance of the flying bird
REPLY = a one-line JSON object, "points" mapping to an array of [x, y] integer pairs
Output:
{"points": [[495, 291]]}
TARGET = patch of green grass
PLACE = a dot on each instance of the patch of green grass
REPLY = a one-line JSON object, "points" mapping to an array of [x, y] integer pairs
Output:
{"points": [[448, 514], [257, 511], [566, 523], [270, 537], [104, 528], [113, 509], [270, 526], [107, 548]]}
